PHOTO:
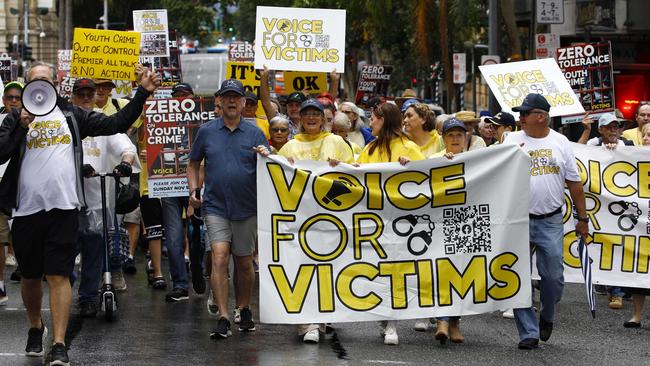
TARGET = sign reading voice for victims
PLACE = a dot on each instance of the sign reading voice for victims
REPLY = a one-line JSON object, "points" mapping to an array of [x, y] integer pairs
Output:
{"points": [[152, 24], [170, 127], [512, 81], [387, 242], [589, 70], [617, 191], [373, 81], [105, 54], [300, 39]]}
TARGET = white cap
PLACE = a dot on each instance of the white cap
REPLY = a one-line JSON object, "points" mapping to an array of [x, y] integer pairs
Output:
{"points": [[606, 119]]}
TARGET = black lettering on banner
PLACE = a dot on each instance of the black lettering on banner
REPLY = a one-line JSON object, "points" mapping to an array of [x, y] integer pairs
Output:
{"points": [[467, 229]]}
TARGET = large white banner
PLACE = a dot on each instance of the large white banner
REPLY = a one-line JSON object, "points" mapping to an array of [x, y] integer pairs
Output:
{"points": [[384, 241], [617, 190], [512, 81], [299, 39]]}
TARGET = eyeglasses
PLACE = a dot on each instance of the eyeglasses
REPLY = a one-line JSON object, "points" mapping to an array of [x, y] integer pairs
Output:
{"points": [[527, 113], [12, 97], [279, 129], [104, 87]]}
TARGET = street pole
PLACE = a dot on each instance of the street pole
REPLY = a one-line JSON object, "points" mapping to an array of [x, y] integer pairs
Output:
{"points": [[493, 44], [106, 14], [26, 20], [474, 82]]}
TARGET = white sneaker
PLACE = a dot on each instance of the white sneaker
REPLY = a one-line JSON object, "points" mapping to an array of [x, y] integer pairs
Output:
{"points": [[421, 325], [390, 333], [119, 284], [10, 261], [77, 260], [213, 309], [311, 337], [236, 315], [508, 314]]}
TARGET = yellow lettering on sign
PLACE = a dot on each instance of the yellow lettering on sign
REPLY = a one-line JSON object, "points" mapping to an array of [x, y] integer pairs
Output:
{"points": [[609, 178], [507, 281], [449, 278], [397, 272], [293, 296], [344, 287], [446, 183], [289, 193]]}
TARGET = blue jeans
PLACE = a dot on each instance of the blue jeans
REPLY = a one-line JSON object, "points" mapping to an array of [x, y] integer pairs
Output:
{"points": [[172, 212], [447, 318], [547, 240], [615, 291], [92, 250]]}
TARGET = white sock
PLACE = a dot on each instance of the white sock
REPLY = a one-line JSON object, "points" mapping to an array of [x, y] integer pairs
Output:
{"points": [[130, 256], [2, 284]]}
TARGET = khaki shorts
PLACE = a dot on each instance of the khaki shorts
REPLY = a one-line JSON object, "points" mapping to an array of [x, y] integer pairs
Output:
{"points": [[133, 217], [5, 233], [240, 234]]}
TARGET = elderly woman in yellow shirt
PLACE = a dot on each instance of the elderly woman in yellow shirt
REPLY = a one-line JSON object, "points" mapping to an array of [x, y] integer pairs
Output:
{"points": [[420, 126]]}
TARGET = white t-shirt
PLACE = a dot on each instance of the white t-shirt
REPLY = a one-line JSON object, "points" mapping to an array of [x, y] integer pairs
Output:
{"points": [[596, 140], [553, 163], [47, 174]]}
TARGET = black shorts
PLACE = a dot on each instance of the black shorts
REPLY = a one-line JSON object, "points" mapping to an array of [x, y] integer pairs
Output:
{"points": [[152, 217], [45, 243]]}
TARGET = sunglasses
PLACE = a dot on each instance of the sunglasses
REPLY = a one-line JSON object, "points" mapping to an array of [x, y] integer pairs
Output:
{"points": [[279, 129], [85, 95], [12, 97]]}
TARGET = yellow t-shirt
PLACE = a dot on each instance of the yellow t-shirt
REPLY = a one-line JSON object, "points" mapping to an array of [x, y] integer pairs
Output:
{"points": [[109, 109], [317, 147], [263, 125], [398, 147], [634, 135], [433, 145]]}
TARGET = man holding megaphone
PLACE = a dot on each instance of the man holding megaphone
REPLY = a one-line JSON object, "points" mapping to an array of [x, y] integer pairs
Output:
{"points": [[42, 189]]}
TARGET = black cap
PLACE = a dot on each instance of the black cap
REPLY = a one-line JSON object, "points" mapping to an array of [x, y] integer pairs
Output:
{"points": [[453, 123], [182, 87], [231, 85], [533, 101], [311, 103], [296, 97], [503, 119], [83, 83], [251, 96]]}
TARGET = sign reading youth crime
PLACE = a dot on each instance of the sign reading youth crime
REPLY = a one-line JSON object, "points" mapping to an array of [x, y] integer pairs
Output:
{"points": [[617, 192], [383, 242], [170, 128], [373, 81], [152, 25], [105, 54], [511, 82], [589, 70], [300, 39]]}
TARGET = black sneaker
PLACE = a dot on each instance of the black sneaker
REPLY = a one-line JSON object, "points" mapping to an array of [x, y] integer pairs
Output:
{"points": [[222, 330], [198, 283], [528, 344], [177, 294], [246, 323], [88, 309], [129, 266], [15, 275], [35, 338], [59, 355], [545, 329], [148, 268]]}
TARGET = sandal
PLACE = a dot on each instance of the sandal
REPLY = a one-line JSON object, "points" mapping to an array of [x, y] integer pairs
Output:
{"points": [[159, 283]]}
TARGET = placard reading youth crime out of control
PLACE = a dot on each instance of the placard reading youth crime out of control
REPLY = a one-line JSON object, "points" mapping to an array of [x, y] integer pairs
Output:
{"points": [[105, 54], [511, 82], [300, 39]]}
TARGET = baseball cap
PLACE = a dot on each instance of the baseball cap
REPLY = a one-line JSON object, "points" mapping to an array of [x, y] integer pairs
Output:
{"points": [[409, 103], [182, 87], [453, 123], [251, 96], [533, 101], [83, 83], [231, 85], [606, 119], [14, 84], [296, 97], [503, 119], [311, 103], [103, 81]]}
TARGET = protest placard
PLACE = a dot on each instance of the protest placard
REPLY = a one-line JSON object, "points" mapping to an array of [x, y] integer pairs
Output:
{"points": [[152, 25], [617, 195], [378, 242], [241, 52], [311, 82], [5, 68], [299, 39], [105, 54], [511, 82], [170, 128], [589, 69], [64, 81], [373, 81]]}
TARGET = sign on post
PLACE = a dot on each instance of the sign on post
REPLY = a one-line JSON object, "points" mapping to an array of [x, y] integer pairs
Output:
{"points": [[298, 39], [550, 11], [152, 25], [511, 82], [312, 82], [460, 68], [373, 81], [589, 70], [105, 54], [546, 44]]}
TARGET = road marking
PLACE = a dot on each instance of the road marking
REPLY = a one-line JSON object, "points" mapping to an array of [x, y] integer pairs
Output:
{"points": [[388, 362], [11, 354], [22, 309]]}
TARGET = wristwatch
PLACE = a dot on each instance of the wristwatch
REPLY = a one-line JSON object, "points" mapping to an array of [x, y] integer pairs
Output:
{"points": [[584, 219]]}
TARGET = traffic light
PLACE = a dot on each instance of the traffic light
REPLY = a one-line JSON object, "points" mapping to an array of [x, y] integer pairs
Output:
{"points": [[414, 81], [27, 52]]}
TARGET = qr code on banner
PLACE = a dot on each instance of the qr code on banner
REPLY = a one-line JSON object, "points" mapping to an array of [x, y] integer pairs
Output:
{"points": [[467, 229], [322, 41]]}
